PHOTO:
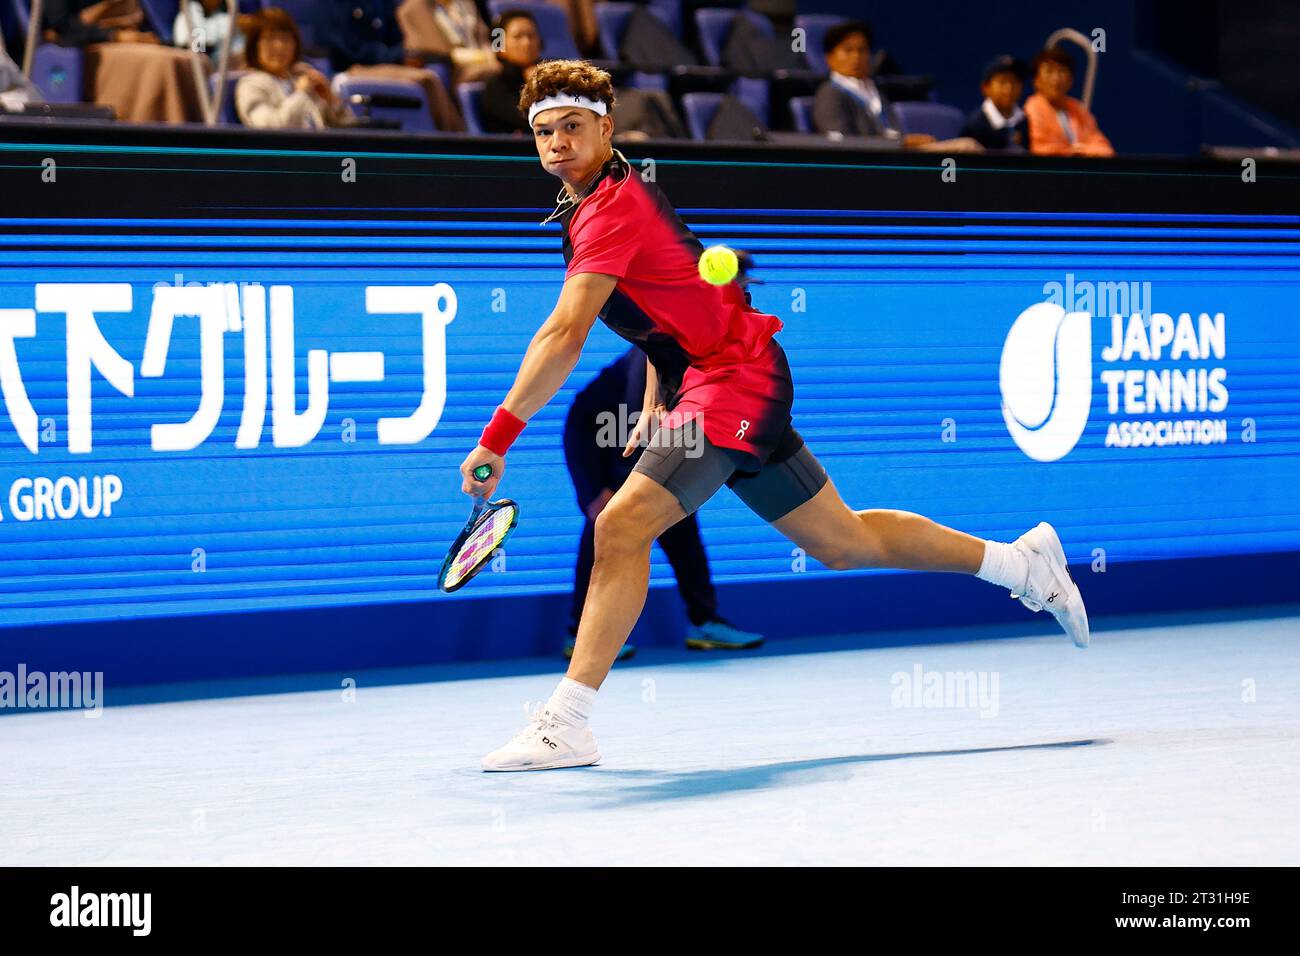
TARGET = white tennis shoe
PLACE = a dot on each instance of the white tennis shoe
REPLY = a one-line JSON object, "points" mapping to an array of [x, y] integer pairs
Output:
{"points": [[545, 744], [1049, 585]]}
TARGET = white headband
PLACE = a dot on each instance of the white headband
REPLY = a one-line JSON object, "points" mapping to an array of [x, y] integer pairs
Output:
{"points": [[565, 99]]}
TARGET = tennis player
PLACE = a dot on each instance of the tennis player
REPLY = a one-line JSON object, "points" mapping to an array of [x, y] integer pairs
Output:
{"points": [[726, 394]]}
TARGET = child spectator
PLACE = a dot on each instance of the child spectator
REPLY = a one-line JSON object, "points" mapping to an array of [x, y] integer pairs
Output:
{"points": [[1000, 123]]}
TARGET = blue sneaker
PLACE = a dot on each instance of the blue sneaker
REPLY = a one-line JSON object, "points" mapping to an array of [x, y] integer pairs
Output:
{"points": [[626, 651], [720, 635]]}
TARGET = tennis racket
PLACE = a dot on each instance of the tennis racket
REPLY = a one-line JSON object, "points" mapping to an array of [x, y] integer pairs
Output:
{"points": [[490, 524]]}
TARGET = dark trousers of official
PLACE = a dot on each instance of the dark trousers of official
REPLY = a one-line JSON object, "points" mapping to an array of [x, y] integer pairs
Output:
{"points": [[685, 552]]}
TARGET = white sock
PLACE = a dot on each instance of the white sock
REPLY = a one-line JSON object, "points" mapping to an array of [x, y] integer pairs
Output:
{"points": [[572, 702], [1003, 565]]}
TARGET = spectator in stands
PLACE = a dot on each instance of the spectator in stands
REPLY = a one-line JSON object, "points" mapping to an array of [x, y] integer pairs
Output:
{"points": [[83, 22], [520, 50], [281, 92], [364, 37], [638, 114], [999, 123], [449, 30], [127, 68], [15, 89], [1060, 125], [209, 22], [849, 103]]}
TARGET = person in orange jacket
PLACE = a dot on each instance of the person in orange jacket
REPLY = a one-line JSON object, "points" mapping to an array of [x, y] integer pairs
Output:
{"points": [[1060, 125]]}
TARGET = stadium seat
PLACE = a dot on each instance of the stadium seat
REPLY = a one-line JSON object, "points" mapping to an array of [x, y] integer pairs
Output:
{"points": [[699, 109], [670, 12], [229, 115], [469, 93], [443, 72], [938, 119], [814, 26], [714, 25], [160, 17], [648, 81], [754, 93], [611, 21], [57, 72], [801, 109], [413, 113], [552, 23]]}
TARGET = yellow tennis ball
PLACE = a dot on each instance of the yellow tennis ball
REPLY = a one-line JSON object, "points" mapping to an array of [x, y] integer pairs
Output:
{"points": [[718, 265]]}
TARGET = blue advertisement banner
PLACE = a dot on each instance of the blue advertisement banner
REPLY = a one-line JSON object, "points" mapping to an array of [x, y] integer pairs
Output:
{"points": [[233, 415]]}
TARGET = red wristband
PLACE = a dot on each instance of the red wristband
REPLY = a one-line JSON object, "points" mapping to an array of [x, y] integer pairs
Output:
{"points": [[501, 432]]}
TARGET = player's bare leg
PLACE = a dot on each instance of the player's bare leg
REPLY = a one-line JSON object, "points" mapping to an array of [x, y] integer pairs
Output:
{"points": [[557, 735], [1033, 567], [840, 538], [639, 513]]}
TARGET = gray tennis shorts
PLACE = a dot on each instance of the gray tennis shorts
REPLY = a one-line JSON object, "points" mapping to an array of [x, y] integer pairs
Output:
{"points": [[685, 462]]}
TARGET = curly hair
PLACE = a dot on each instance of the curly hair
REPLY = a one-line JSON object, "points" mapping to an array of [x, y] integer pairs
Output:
{"points": [[575, 77]]}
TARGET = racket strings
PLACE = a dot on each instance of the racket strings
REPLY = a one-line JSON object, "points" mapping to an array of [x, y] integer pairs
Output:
{"points": [[481, 544]]}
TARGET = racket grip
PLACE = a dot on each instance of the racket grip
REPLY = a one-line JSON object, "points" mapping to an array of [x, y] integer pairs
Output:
{"points": [[483, 472]]}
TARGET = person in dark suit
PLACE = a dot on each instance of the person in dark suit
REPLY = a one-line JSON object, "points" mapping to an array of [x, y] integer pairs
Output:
{"points": [[521, 47], [848, 102], [1000, 123]]}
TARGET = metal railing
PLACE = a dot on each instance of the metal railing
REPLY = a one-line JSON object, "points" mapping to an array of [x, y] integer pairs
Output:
{"points": [[1090, 77]]}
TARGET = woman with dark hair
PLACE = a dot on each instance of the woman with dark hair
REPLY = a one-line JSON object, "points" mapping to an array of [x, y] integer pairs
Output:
{"points": [[521, 47], [1060, 125], [282, 93]]}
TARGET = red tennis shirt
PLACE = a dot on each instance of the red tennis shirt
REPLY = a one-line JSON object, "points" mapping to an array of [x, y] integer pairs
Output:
{"points": [[714, 354]]}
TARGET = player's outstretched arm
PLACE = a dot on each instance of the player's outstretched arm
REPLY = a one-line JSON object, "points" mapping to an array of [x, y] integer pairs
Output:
{"points": [[551, 356], [556, 347]]}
